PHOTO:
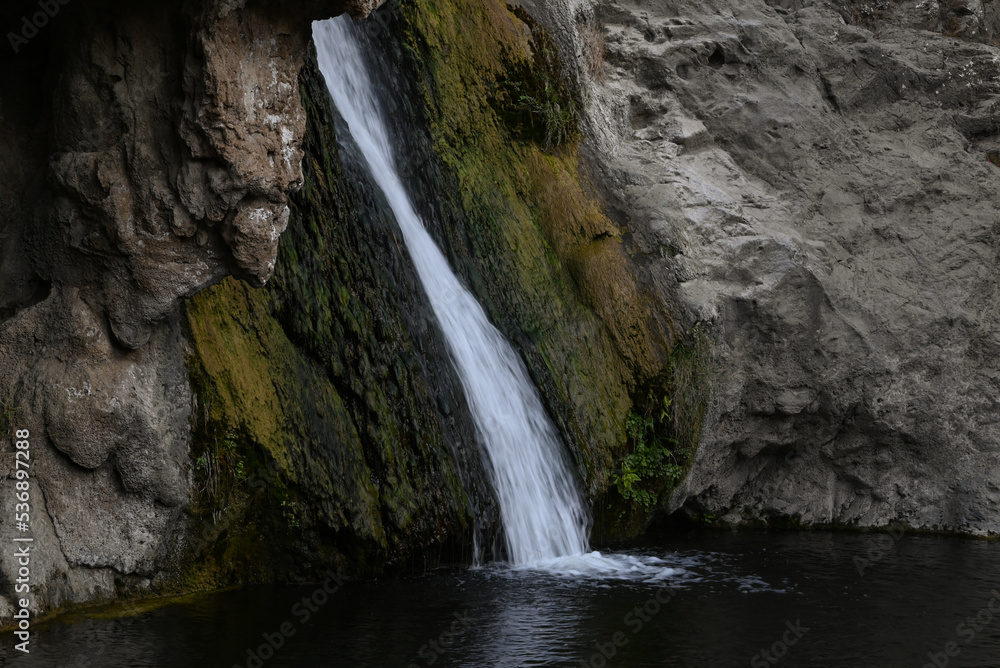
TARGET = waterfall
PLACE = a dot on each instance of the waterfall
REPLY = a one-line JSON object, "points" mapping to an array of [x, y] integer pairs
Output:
{"points": [[541, 509]]}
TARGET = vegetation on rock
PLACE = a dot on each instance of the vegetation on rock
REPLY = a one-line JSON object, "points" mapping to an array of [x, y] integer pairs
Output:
{"points": [[317, 390]]}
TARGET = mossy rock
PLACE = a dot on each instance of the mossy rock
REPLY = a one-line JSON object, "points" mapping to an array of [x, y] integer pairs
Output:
{"points": [[319, 398]]}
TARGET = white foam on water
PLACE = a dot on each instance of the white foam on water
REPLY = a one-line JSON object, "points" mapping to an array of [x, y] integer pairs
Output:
{"points": [[603, 566]]}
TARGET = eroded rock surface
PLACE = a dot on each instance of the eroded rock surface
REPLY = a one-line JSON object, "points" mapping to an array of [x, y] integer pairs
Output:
{"points": [[156, 159], [826, 200]]}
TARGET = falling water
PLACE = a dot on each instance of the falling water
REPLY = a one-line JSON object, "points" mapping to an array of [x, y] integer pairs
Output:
{"points": [[541, 509], [545, 526]]}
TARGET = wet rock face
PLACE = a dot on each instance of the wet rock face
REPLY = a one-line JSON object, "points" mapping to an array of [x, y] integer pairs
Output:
{"points": [[826, 201], [156, 159]]}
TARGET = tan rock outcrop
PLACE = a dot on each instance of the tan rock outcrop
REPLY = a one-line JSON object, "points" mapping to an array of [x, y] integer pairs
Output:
{"points": [[155, 159]]}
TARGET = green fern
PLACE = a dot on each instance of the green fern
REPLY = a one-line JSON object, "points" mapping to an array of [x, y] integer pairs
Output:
{"points": [[654, 459]]}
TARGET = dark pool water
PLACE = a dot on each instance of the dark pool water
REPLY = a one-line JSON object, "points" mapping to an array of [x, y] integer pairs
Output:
{"points": [[806, 599]]}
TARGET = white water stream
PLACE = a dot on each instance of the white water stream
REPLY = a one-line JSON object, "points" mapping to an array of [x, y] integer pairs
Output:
{"points": [[544, 521]]}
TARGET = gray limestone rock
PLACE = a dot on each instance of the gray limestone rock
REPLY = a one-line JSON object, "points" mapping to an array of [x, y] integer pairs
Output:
{"points": [[826, 200]]}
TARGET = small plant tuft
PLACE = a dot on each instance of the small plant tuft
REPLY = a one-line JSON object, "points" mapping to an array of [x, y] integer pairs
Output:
{"points": [[220, 469], [655, 460], [8, 416], [663, 438], [535, 98]]}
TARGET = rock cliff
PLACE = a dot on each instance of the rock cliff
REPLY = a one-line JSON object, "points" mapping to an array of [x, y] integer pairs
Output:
{"points": [[786, 207], [821, 181]]}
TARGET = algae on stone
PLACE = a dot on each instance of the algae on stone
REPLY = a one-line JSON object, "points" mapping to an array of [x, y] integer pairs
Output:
{"points": [[324, 390], [528, 231]]}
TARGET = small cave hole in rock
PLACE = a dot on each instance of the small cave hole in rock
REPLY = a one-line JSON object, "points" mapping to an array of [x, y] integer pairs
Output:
{"points": [[717, 59]]}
